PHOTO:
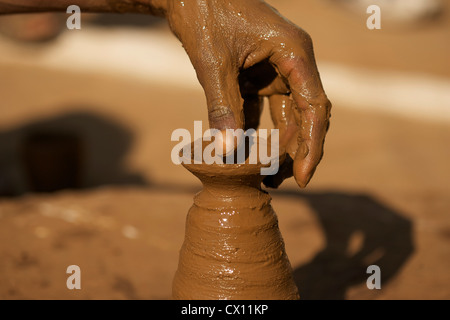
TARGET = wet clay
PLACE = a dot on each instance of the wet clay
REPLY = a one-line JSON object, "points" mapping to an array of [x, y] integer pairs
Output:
{"points": [[245, 50], [242, 51], [154, 7], [233, 248]]}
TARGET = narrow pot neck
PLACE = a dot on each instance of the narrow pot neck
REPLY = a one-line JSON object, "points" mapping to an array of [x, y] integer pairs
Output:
{"points": [[240, 188]]}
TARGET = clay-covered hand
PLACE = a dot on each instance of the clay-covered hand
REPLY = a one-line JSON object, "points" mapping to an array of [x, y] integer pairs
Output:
{"points": [[243, 51]]}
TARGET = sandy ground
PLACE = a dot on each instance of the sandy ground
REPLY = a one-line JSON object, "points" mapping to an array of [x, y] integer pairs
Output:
{"points": [[380, 196]]}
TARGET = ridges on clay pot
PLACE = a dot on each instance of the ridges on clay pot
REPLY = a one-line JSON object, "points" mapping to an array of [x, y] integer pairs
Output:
{"points": [[233, 248]]}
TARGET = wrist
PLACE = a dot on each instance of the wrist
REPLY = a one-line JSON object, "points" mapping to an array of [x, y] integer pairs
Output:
{"points": [[154, 7], [159, 7]]}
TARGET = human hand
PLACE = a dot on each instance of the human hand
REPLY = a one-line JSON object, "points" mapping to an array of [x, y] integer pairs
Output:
{"points": [[243, 51]]}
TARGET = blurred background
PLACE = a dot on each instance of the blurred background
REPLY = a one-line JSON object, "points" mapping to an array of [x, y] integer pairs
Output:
{"points": [[86, 176]]}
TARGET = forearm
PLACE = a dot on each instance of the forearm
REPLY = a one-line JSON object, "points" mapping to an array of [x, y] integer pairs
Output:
{"points": [[154, 7]]}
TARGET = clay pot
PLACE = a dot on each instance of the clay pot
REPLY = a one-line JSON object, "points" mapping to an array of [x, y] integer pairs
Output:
{"points": [[233, 248]]}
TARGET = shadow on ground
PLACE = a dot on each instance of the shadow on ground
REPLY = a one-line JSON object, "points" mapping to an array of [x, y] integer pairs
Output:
{"points": [[81, 150], [72, 151], [359, 231]]}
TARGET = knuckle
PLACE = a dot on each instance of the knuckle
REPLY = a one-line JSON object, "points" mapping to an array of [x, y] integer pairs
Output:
{"points": [[219, 114], [322, 104], [218, 111], [222, 117], [322, 100], [298, 35], [306, 38]]}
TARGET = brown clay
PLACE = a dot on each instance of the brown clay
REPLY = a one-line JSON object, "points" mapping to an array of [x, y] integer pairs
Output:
{"points": [[242, 51], [245, 50], [233, 248]]}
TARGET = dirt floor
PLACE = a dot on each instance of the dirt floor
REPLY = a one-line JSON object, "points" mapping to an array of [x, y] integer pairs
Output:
{"points": [[380, 196]]}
